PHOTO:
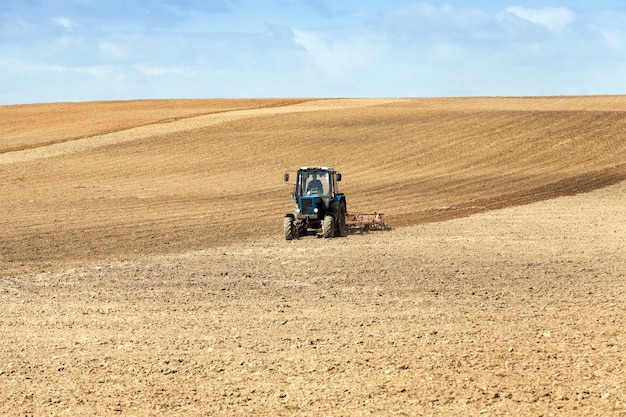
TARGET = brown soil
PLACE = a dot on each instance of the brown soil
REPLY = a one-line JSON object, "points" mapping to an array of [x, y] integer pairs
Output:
{"points": [[143, 272]]}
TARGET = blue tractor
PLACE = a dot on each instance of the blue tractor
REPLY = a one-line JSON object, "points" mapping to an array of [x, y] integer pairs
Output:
{"points": [[319, 208]]}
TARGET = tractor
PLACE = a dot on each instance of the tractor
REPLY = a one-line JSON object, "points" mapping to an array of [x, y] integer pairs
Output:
{"points": [[318, 206]]}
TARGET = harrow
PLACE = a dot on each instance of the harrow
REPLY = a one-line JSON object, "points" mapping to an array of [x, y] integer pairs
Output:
{"points": [[364, 222]]}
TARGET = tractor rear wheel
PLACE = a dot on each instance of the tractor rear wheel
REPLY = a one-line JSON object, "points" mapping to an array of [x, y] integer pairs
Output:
{"points": [[290, 229], [328, 226], [341, 221]]}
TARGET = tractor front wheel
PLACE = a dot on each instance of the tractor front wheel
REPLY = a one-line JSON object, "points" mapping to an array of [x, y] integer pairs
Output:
{"points": [[290, 229], [328, 226]]}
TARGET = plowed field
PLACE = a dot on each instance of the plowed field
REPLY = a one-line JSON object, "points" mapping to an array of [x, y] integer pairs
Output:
{"points": [[143, 269]]}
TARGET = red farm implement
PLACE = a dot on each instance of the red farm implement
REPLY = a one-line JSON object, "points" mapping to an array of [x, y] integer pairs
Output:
{"points": [[364, 222]]}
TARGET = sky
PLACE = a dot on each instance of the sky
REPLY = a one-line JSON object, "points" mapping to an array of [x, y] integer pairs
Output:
{"points": [[85, 50]]}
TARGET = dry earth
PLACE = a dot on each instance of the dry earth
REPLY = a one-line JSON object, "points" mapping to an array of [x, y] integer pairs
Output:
{"points": [[142, 269]]}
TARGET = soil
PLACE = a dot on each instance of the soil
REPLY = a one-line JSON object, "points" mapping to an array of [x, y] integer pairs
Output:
{"points": [[143, 269]]}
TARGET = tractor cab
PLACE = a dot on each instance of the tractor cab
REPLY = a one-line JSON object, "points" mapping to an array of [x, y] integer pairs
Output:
{"points": [[316, 183]]}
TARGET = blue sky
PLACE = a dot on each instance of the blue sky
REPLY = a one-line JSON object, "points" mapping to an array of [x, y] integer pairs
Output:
{"points": [[82, 50]]}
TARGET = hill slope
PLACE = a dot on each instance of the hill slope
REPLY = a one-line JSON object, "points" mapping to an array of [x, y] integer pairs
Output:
{"points": [[92, 181]]}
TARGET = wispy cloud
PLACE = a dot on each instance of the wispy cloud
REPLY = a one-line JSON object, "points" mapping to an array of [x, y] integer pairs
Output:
{"points": [[555, 19], [65, 23], [339, 56], [152, 71]]}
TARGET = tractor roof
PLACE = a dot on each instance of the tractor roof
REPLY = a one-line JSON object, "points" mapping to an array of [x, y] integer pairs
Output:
{"points": [[317, 168]]}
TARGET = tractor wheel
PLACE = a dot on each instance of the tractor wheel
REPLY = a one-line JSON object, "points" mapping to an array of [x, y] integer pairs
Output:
{"points": [[328, 226], [290, 229], [341, 221], [300, 229]]}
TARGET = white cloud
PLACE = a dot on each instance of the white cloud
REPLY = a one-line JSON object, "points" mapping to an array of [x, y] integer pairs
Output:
{"points": [[339, 56], [555, 19], [611, 28], [65, 23], [613, 38], [320, 51], [115, 51], [426, 19], [154, 70], [95, 71], [57, 44]]}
